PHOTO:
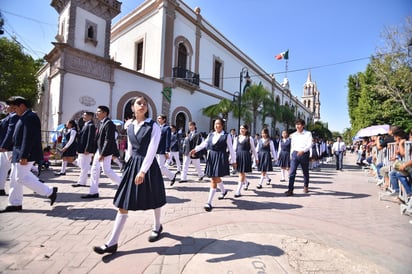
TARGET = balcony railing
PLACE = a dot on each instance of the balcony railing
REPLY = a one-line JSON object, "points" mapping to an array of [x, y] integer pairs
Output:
{"points": [[187, 75]]}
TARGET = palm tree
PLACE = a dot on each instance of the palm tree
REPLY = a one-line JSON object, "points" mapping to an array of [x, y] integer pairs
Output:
{"points": [[272, 109], [288, 116], [223, 108], [254, 98]]}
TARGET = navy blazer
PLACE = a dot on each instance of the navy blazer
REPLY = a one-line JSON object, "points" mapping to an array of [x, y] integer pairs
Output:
{"points": [[27, 139], [7, 126], [86, 139], [164, 144], [106, 141], [174, 142], [195, 140]]}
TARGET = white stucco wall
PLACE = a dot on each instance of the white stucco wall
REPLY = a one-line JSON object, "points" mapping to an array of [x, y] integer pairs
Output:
{"points": [[123, 47], [78, 86], [80, 32]]}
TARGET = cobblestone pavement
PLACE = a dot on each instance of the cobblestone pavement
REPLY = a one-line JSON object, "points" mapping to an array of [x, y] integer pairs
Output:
{"points": [[340, 226]]}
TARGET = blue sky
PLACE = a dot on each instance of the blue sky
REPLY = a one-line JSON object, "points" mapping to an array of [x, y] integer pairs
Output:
{"points": [[318, 34]]}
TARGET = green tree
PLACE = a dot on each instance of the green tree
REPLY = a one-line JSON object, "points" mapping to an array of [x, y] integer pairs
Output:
{"points": [[287, 116], [320, 130], [223, 108], [254, 98], [271, 109], [383, 93], [17, 71], [392, 65]]}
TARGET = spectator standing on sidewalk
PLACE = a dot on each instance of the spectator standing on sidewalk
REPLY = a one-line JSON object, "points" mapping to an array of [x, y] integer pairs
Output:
{"points": [[218, 144], [142, 185], [339, 149], [7, 126], [300, 145], [27, 149]]}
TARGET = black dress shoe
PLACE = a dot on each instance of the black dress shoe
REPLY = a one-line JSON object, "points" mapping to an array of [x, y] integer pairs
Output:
{"points": [[259, 186], [90, 196], [222, 196], [246, 186], [53, 196], [59, 173], [173, 180], [268, 182], [155, 234], [208, 207], [78, 185], [12, 208], [237, 195], [3, 192], [105, 249], [183, 181]]}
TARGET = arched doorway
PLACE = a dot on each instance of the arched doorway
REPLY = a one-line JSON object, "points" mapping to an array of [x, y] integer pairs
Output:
{"points": [[181, 122]]}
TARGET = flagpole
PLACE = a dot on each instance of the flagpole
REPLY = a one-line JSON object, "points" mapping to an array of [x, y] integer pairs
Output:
{"points": [[286, 68]]}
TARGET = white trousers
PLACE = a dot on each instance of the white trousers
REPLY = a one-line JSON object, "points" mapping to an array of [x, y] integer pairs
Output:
{"points": [[161, 160], [83, 161], [21, 175], [186, 162], [175, 155], [4, 167], [107, 170]]}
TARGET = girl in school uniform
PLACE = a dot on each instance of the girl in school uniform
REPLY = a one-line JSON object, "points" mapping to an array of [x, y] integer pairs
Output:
{"points": [[142, 185], [217, 163], [244, 147], [284, 155], [69, 150], [266, 154]]}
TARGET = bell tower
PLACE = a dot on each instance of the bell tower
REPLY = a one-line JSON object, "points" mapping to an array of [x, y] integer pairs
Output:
{"points": [[80, 68], [311, 97], [85, 25]]}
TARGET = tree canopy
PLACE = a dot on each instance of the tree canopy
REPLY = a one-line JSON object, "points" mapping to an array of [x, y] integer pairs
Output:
{"points": [[17, 71], [382, 94]]}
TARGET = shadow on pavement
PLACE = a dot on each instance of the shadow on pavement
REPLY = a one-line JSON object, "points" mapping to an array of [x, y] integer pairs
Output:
{"points": [[191, 246]]}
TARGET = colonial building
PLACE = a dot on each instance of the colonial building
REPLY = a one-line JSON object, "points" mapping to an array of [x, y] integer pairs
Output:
{"points": [[163, 49]]}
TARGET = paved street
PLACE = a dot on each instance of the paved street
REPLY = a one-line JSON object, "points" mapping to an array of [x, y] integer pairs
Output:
{"points": [[340, 226]]}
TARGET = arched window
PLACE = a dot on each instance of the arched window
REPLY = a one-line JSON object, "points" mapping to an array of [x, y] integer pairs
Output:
{"points": [[182, 56], [181, 122]]}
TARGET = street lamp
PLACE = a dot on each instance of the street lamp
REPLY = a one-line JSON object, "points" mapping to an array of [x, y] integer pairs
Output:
{"points": [[243, 74]]}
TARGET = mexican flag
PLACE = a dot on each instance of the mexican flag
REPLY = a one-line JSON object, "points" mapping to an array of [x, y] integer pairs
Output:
{"points": [[283, 55]]}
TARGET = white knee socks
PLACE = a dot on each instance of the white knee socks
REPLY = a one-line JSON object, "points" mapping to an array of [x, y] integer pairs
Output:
{"points": [[117, 228], [212, 192], [156, 218], [239, 187], [64, 165]]}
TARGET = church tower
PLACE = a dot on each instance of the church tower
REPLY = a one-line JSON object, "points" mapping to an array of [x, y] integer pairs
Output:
{"points": [[311, 97], [80, 69]]}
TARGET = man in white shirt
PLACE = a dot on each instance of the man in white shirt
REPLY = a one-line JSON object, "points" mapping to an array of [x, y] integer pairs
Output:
{"points": [[338, 149], [299, 155]]}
